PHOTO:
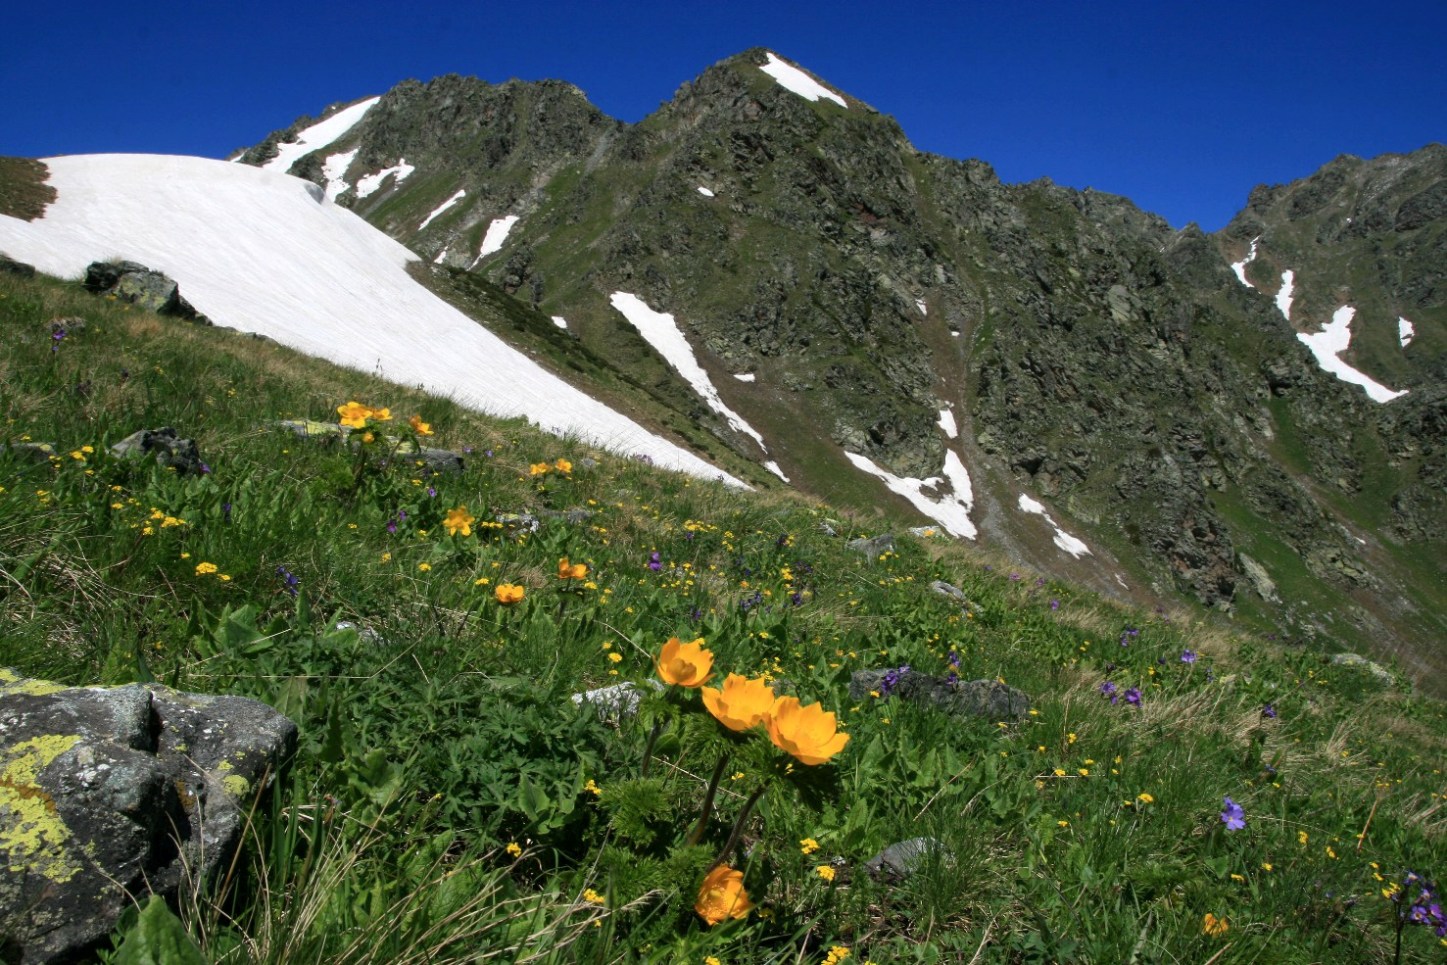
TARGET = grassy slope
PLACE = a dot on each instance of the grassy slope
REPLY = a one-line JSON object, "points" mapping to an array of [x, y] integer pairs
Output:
{"points": [[460, 720]]}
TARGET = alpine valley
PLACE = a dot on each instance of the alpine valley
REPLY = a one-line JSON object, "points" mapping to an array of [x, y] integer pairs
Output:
{"points": [[768, 280]]}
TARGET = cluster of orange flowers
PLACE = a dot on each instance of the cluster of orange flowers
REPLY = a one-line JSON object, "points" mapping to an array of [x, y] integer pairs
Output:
{"points": [[572, 571], [542, 468], [809, 733], [354, 415]]}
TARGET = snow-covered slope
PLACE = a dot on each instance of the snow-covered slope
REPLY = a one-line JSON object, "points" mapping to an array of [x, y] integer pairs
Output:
{"points": [[267, 253]]}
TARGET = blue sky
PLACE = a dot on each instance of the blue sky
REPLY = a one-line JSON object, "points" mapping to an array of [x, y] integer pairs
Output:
{"points": [[1183, 107]]}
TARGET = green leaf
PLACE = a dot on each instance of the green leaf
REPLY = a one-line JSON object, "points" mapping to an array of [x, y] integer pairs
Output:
{"points": [[159, 938]]}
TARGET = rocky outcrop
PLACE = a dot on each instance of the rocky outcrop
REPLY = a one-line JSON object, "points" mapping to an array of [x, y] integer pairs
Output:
{"points": [[960, 698], [108, 793], [140, 286], [169, 449]]}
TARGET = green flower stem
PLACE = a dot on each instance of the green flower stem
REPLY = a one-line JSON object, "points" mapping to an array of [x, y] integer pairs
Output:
{"points": [[648, 748], [696, 835], [738, 830]]}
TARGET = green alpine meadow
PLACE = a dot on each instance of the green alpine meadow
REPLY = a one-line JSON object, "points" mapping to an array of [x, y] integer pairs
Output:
{"points": [[1158, 786]]}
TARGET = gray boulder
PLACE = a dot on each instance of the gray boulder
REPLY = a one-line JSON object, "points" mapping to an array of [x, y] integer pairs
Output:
{"points": [[139, 285], [899, 860], [873, 548], [170, 450], [108, 793], [1379, 673], [961, 698]]}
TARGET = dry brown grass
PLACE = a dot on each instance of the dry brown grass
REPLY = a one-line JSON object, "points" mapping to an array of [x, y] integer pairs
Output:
{"points": [[24, 193]]}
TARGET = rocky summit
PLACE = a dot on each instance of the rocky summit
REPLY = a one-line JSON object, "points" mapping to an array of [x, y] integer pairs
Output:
{"points": [[1251, 420]]}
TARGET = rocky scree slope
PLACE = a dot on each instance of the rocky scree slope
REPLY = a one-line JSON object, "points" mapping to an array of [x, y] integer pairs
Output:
{"points": [[1096, 360]]}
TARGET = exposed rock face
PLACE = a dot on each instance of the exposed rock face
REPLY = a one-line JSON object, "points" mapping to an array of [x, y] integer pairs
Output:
{"points": [[106, 793], [137, 284], [11, 267], [973, 698], [170, 450]]}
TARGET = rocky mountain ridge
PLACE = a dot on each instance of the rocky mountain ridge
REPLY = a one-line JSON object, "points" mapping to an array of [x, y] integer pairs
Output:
{"points": [[854, 298]]}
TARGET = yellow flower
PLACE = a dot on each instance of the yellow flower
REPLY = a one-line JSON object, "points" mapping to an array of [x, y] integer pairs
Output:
{"points": [[563, 465], [538, 469], [615, 657], [825, 871], [1302, 838], [1145, 798], [722, 895], [592, 788], [571, 571], [419, 427], [459, 520], [808, 846], [592, 897], [368, 438], [1213, 926], [509, 593], [354, 414], [811, 734], [837, 954], [382, 415], [424, 567], [203, 569], [514, 849], [685, 664], [741, 704]]}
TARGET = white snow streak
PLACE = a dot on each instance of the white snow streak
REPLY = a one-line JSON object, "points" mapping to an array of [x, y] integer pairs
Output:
{"points": [[661, 331], [369, 183], [744, 376], [560, 321], [1239, 267], [951, 511], [923, 308], [334, 169], [773, 467], [1334, 339], [793, 79], [1405, 332], [1283, 294], [319, 135], [461, 193], [496, 236], [329, 285], [1062, 539], [705, 191], [947, 423]]}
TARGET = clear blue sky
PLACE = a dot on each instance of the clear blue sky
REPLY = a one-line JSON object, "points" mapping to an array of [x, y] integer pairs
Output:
{"points": [[1182, 106]]}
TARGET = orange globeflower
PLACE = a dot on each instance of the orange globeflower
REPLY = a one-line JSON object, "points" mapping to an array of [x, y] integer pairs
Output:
{"points": [[354, 414], [509, 593], [538, 469], [811, 734], [571, 571], [419, 427], [382, 415], [722, 895], [563, 465], [459, 520], [685, 664], [741, 704]]}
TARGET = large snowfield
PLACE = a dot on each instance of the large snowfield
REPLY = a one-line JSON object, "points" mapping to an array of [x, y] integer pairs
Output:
{"points": [[264, 252]]}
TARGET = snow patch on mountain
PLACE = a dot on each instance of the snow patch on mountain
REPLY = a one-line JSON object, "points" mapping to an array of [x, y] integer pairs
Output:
{"points": [[560, 321], [461, 193], [793, 79], [1239, 267], [773, 467], [496, 236], [1405, 332], [330, 285], [319, 135], [947, 423], [1283, 294], [368, 184], [923, 308], [1064, 540], [952, 511], [334, 169], [705, 191], [1334, 339], [661, 331], [744, 376]]}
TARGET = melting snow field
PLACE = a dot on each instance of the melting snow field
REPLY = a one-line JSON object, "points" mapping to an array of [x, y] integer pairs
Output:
{"points": [[1283, 294], [560, 321], [951, 511], [461, 193], [1334, 339], [1405, 332], [793, 79], [319, 135], [334, 169], [1239, 267], [744, 376], [329, 285], [1062, 539], [947, 423], [496, 235], [369, 183], [661, 331]]}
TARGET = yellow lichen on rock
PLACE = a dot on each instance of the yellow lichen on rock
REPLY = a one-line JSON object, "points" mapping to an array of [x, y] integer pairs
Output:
{"points": [[32, 835], [13, 683], [233, 784]]}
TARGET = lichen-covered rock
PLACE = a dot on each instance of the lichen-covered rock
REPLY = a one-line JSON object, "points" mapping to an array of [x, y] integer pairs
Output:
{"points": [[139, 285], [961, 698], [170, 450], [107, 793], [874, 547]]}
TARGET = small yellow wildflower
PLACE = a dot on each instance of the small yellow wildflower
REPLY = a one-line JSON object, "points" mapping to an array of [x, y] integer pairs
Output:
{"points": [[1145, 798], [419, 427], [825, 871], [808, 845], [424, 567], [1213, 926], [514, 849], [592, 788], [205, 569], [593, 898], [615, 657], [837, 954]]}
